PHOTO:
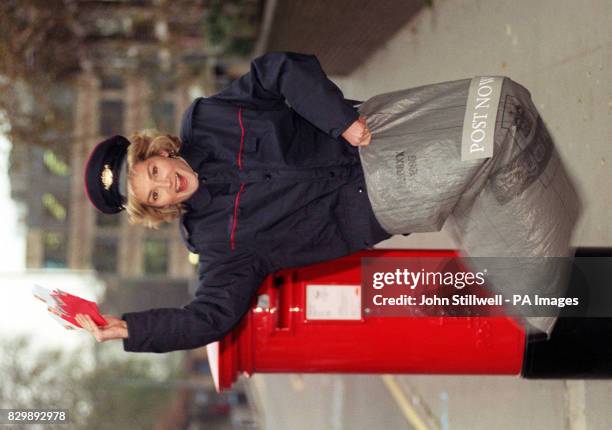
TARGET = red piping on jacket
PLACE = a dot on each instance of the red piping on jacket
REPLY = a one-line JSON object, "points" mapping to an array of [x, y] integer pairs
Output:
{"points": [[236, 203], [241, 139]]}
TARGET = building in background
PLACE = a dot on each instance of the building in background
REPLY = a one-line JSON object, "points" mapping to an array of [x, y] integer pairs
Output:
{"points": [[141, 63]]}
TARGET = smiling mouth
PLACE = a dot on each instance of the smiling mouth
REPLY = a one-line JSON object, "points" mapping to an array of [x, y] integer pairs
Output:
{"points": [[180, 184]]}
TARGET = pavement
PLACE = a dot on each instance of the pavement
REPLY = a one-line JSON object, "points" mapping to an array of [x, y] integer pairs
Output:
{"points": [[561, 51]]}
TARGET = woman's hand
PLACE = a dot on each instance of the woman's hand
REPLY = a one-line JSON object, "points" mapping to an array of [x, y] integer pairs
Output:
{"points": [[115, 329], [358, 134]]}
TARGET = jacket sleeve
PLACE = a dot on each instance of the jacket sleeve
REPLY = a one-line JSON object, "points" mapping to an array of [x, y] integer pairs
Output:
{"points": [[223, 297], [298, 80]]}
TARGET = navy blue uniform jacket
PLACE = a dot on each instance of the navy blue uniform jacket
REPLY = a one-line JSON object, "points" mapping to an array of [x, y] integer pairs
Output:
{"points": [[279, 187]]}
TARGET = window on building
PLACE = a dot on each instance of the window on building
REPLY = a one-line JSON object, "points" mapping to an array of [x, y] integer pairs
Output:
{"points": [[55, 208], [104, 256], [55, 250], [55, 163], [111, 82], [112, 113], [143, 30], [155, 256], [109, 26], [163, 113]]}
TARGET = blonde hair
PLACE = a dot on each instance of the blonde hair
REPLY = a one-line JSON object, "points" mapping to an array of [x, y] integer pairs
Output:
{"points": [[145, 144]]}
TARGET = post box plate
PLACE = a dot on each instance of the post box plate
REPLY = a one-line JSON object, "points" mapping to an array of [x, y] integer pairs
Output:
{"points": [[333, 302]]}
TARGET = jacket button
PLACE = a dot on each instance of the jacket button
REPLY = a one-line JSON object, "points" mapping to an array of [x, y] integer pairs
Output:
{"points": [[360, 190], [366, 243], [332, 174], [268, 177]]}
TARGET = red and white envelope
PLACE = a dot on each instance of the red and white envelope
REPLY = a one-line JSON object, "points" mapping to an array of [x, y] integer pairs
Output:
{"points": [[64, 307]]}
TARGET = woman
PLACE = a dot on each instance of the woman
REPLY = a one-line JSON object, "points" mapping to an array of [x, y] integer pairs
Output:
{"points": [[269, 174], [266, 175]]}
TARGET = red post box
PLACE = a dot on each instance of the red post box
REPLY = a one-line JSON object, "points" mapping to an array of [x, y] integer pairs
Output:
{"points": [[309, 320], [285, 332]]}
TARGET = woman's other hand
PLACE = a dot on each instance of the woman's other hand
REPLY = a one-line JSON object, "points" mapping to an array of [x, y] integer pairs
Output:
{"points": [[358, 134], [115, 329]]}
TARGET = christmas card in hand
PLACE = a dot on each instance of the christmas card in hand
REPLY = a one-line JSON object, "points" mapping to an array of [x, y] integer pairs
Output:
{"points": [[64, 307]]}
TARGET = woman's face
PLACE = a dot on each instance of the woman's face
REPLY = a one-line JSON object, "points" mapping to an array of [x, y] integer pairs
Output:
{"points": [[161, 181]]}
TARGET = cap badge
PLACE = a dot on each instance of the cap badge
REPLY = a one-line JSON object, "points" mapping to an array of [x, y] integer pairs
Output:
{"points": [[107, 177]]}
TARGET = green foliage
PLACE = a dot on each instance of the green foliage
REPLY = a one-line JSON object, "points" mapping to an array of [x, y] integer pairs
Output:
{"points": [[114, 393], [229, 26], [241, 47]]}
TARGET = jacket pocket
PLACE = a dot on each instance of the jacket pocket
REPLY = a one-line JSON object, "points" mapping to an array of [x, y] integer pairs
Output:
{"points": [[234, 218]]}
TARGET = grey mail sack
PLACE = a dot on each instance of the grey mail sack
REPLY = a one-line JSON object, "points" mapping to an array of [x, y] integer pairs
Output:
{"points": [[475, 153]]}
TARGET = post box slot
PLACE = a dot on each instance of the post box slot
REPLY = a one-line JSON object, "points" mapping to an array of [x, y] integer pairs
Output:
{"points": [[283, 302]]}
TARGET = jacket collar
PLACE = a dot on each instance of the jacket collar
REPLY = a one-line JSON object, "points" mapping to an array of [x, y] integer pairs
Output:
{"points": [[195, 156], [198, 200]]}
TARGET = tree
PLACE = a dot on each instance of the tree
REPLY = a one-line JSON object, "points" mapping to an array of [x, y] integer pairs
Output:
{"points": [[39, 47], [231, 25], [116, 393]]}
